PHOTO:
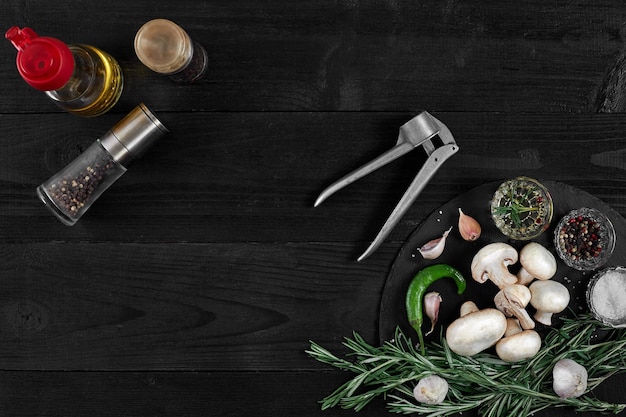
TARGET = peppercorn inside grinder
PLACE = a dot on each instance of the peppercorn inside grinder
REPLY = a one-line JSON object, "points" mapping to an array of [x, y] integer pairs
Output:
{"points": [[70, 192]]}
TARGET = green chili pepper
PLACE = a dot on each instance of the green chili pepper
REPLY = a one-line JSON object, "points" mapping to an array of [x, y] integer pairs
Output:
{"points": [[417, 288]]}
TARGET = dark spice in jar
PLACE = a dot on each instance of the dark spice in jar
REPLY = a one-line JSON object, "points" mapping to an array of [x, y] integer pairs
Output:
{"points": [[69, 193], [73, 189], [195, 70], [74, 193], [579, 238]]}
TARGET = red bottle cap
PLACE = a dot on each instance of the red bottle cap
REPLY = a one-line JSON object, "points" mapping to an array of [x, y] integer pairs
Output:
{"points": [[44, 63]]}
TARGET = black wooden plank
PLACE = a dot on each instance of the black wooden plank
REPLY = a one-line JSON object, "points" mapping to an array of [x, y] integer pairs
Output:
{"points": [[254, 177], [182, 306], [174, 394], [323, 55], [195, 394], [194, 286]]}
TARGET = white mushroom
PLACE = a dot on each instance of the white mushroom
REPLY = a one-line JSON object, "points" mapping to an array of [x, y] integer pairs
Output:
{"points": [[476, 330], [512, 327], [548, 297], [492, 261], [468, 307], [518, 344], [537, 262], [512, 301]]}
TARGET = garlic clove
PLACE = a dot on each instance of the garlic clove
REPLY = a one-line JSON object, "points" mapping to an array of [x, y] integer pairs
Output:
{"points": [[432, 301], [434, 248], [569, 379], [469, 228], [431, 390]]}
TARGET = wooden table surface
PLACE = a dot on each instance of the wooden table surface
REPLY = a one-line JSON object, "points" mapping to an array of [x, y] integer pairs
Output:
{"points": [[194, 285]]}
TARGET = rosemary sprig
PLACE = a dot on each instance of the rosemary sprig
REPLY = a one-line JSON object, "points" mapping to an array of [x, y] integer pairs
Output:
{"points": [[514, 209], [482, 382]]}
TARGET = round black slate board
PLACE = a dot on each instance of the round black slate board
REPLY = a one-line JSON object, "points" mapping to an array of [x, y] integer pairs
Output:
{"points": [[459, 254]]}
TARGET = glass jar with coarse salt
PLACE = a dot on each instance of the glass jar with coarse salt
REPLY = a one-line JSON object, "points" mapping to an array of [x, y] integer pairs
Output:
{"points": [[606, 296]]}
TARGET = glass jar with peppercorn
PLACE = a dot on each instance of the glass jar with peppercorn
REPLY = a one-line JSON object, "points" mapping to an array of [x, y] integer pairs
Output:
{"points": [[584, 239]]}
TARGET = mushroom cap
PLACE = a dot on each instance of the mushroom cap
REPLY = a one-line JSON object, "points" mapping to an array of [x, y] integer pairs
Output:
{"points": [[537, 261], [475, 332], [550, 296], [520, 346], [492, 261]]}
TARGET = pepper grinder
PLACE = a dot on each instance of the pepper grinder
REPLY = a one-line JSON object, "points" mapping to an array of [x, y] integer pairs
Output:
{"points": [[81, 79], [166, 48], [70, 192]]}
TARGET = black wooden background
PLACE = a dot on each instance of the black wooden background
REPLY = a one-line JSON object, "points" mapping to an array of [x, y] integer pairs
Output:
{"points": [[193, 286]]}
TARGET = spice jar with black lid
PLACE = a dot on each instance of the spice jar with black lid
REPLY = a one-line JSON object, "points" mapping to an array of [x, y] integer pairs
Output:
{"points": [[70, 192]]}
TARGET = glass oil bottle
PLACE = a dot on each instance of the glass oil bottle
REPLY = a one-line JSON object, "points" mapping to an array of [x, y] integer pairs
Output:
{"points": [[81, 79]]}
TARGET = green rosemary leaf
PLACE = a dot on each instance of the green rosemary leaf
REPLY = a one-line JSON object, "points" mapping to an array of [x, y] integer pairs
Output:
{"points": [[482, 382], [516, 218]]}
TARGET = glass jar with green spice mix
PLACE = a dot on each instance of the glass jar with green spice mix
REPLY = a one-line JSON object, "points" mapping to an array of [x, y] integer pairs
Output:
{"points": [[522, 208]]}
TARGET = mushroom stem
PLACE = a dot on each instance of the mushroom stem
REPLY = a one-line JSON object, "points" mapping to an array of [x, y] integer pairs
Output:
{"points": [[537, 262], [492, 261], [512, 301], [548, 297], [512, 327], [524, 277], [468, 307], [544, 317]]}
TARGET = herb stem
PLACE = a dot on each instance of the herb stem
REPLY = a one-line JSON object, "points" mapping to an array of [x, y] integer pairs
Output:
{"points": [[482, 382]]}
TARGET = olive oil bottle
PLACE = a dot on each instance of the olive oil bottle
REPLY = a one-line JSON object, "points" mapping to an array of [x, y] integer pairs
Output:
{"points": [[81, 79]]}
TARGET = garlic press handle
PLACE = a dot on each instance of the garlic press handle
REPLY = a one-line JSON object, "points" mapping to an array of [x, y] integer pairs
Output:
{"points": [[437, 157]]}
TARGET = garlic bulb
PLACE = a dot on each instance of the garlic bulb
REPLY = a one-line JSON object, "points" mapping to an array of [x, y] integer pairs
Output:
{"points": [[569, 379], [431, 390], [432, 300], [469, 228], [434, 248]]}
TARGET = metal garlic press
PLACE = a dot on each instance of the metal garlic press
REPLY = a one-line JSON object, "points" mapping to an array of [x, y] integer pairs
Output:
{"points": [[417, 132]]}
